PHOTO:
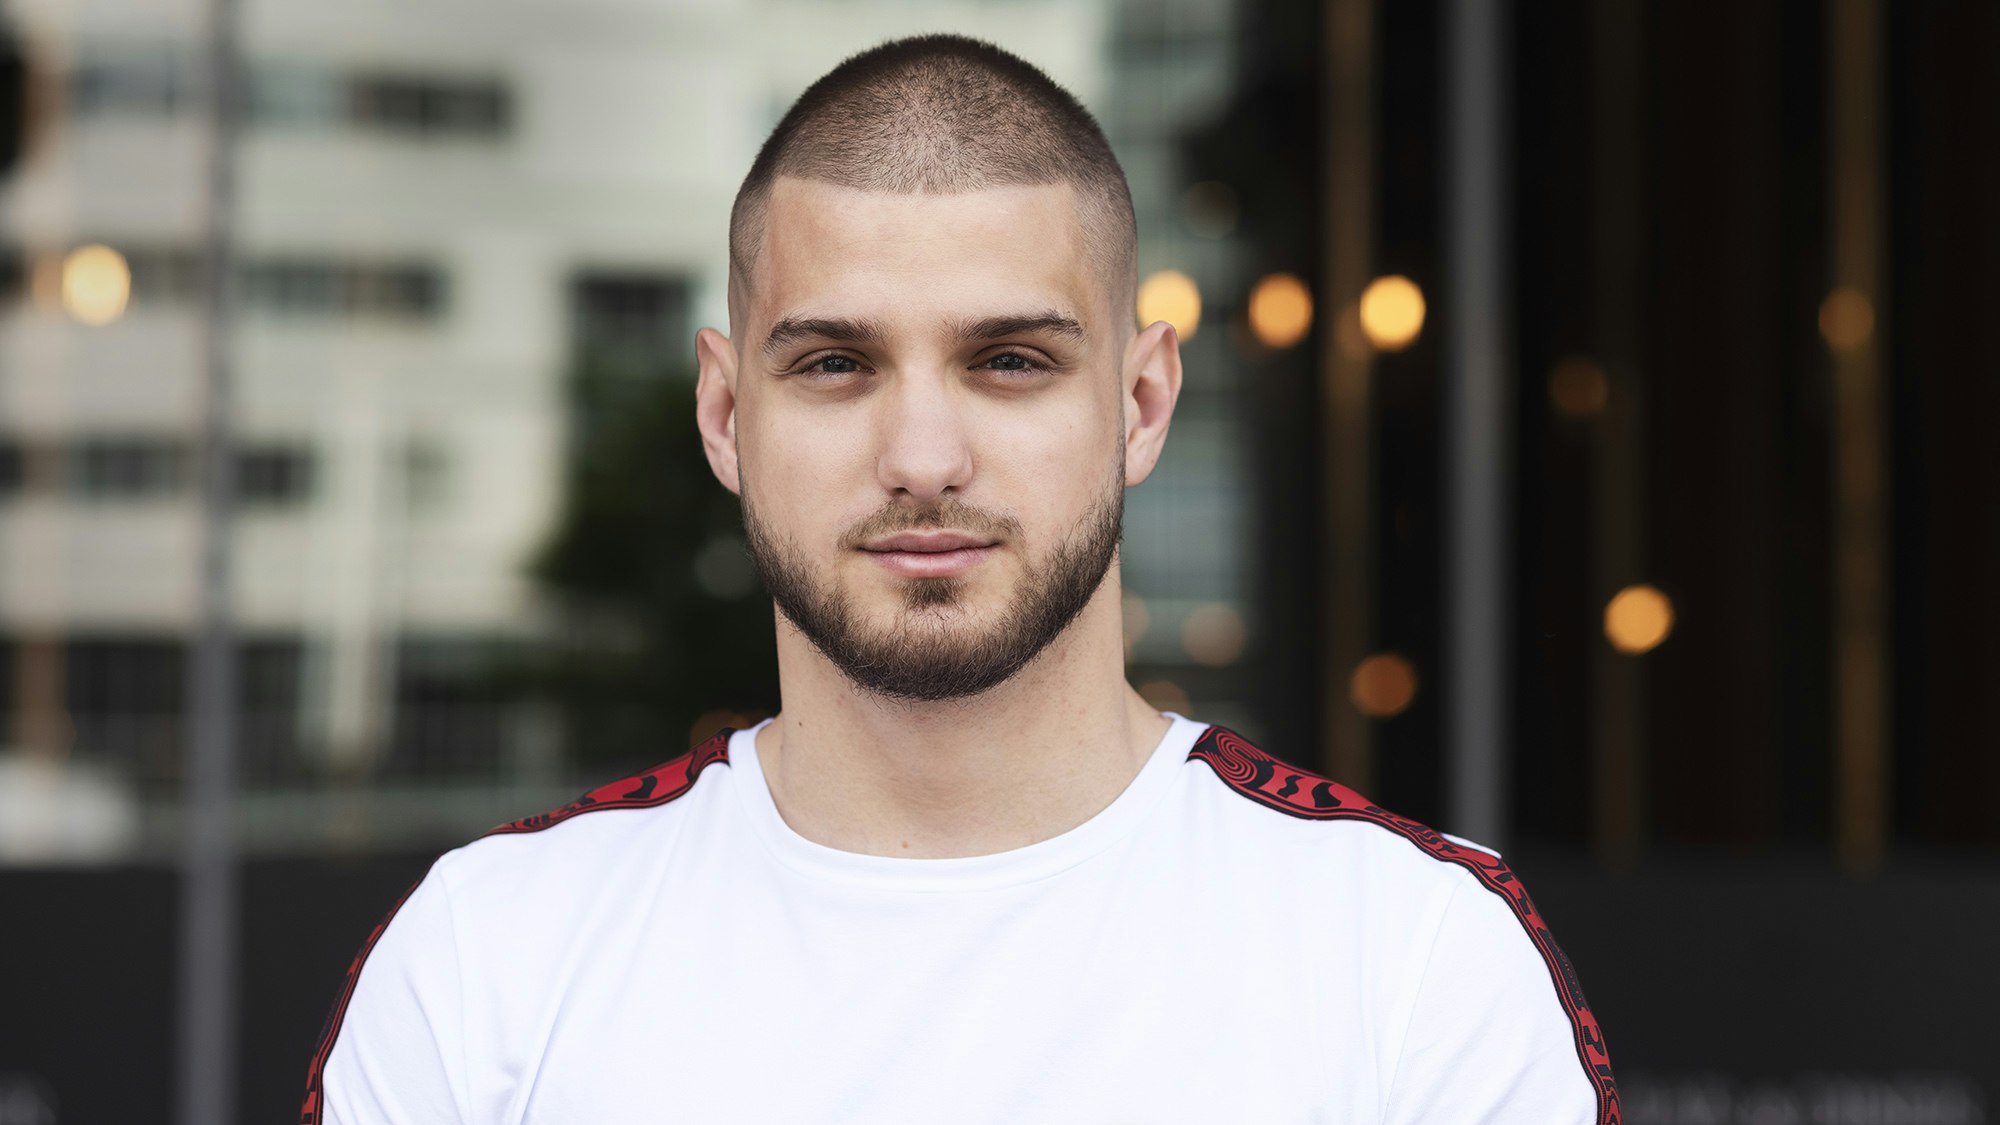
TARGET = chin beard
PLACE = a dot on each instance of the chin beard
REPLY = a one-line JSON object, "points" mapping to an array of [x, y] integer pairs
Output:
{"points": [[932, 653]]}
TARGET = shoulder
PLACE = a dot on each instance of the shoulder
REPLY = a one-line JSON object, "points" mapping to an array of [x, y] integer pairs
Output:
{"points": [[1265, 780], [647, 789], [565, 847], [1352, 838], [512, 888], [1371, 835], [1319, 830]]}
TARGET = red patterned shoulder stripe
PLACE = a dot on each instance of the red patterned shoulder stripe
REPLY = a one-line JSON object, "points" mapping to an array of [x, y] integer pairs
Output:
{"points": [[655, 786], [1273, 784]]}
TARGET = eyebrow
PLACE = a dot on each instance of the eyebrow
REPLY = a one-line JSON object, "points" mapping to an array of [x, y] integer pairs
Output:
{"points": [[1048, 323], [792, 329]]}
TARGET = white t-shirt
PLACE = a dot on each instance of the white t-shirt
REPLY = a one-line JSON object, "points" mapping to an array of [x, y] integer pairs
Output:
{"points": [[1230, 940]]}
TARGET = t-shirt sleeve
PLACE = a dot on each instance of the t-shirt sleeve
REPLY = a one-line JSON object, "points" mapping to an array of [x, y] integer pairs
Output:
{"points": [[1491, 1039], [396, 1055]]}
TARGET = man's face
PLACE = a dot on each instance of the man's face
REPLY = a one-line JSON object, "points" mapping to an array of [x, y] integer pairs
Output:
{"points": [[929, 428]]}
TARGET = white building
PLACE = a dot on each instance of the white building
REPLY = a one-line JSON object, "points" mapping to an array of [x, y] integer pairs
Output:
{"points": [[436, 201]]}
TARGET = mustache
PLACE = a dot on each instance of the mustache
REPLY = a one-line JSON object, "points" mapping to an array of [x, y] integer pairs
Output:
{"points": [[947, 513]]}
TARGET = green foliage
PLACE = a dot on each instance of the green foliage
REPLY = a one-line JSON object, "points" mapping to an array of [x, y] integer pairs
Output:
{"points": [[665, 620]]}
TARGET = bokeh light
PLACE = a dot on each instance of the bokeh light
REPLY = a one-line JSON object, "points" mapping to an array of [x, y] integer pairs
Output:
{"points": [[1392, 312], [1165, 695], [1281, 310], [1214, 635], [1137, 620], [1846, 319], [1638, 618], [96, 284], [1578, 387], [1171, 295], [1383, 685]]}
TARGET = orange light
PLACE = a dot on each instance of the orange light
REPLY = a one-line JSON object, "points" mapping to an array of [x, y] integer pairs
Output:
{"points": [[96, 284], [1165, 695], [1214, 635], [1171, 295], [1638, 618], [1136, 621], [1392, 312], [1281, 310], [1578, 387], [1846, 319], [1383, 685]]}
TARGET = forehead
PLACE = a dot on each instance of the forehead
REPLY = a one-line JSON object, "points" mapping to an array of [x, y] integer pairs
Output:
{"points": [[833, 250]]}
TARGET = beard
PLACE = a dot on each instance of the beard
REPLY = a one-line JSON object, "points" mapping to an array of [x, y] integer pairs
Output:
{"points": [[932, 653]]}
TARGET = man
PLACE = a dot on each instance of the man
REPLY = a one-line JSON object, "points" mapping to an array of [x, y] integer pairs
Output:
{"points": [[967, 874]]}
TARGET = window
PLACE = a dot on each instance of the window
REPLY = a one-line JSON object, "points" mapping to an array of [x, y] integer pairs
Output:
{"points": [[13, 467], [451, 717], [126, 697], [397, 290], [428, 106], [634, 323], [159, 82], [274, 475], [271, 672], [295, 96], [128, 468], [13, 273], [172, 276], [328, 287], [163, 275], [627, 331], [294, 286], [131, 81]]}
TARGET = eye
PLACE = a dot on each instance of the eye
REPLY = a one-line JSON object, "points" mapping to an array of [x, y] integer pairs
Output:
{"points": [[1013, 361], [829, 365]]}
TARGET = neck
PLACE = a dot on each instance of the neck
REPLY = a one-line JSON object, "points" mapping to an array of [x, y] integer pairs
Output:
{"points": [[1025, 761]]}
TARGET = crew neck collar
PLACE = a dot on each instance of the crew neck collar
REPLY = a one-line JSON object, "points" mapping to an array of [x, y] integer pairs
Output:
{"points": [[1039, 860]]}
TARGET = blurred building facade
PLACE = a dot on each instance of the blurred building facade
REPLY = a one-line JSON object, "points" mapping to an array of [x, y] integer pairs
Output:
{"points": [[439, 211]]}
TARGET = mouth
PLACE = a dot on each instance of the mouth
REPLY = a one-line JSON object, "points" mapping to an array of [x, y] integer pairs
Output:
{"points": [[930, 554]]}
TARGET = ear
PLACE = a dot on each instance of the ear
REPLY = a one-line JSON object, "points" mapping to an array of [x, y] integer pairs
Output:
{"points": [[1152, 385], [715, 405]]}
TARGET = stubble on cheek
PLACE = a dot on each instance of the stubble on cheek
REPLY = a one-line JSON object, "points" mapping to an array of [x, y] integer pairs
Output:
{"points": [[932, 653]]}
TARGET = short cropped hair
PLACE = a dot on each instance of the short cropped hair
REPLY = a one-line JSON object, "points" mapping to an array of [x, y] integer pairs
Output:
{"points": [[939, 115]]}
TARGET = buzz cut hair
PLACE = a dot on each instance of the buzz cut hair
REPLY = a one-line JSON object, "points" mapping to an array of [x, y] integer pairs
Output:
{"points": [[942, 115]]}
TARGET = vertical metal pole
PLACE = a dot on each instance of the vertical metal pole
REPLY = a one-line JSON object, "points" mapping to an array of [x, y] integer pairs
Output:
{"points": [[1861, 489], [1618, 443], [1346, 363], [1477, 414], [208, 919]]}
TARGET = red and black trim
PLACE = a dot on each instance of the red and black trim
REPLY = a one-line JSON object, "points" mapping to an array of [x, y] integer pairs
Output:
{"points": [[656, 786], [1273, 784]]}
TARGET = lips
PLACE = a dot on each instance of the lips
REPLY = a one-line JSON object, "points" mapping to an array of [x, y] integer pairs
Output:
{"points": [[929, 554], [926, 542]]}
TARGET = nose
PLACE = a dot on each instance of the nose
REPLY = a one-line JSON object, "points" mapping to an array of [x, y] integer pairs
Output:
{"points": [[925, 445]]}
